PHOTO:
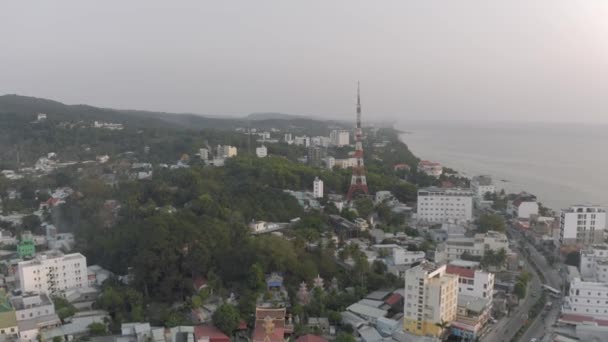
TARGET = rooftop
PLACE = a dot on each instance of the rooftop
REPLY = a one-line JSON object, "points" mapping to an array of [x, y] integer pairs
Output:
{"points": [[433, 190], [366, 311], [460, 271], [30, 300], [472, 303]]}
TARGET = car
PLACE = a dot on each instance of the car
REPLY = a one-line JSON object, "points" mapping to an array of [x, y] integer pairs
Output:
{"points": [[533, 340]]}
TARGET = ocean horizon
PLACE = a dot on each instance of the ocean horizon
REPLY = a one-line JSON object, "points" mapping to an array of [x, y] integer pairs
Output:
{"points": [[561, 163]]}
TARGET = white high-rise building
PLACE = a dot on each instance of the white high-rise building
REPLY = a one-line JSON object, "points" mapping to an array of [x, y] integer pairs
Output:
{"points": [[203, 153], [53, 272], [330, 162], [481, 185], [430, 298], [317, 189], [261, 151], [438, 205], [582, 224], [339, 137], [288, 138]]}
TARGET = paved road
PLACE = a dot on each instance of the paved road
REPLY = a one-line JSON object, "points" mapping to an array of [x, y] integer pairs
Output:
{"points": [[542, 326], [507, 327]]}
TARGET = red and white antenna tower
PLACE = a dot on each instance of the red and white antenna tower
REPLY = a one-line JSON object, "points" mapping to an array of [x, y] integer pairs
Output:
{"points": [[357, 181]]}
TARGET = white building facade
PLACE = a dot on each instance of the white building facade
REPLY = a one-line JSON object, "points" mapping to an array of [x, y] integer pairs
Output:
{"points": [[339, 138], [587, 299], [582, 224], [53, 273], [430, 297], [524, 209], [438, 205], [481, 185], [473, 282], [475, 246], [261, 151], [594, 263], [317, 188]]}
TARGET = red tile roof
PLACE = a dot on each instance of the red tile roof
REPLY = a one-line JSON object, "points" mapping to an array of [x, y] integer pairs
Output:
{"points": [[213, 333], [461, 271], [310, 338], [393, 299], [199, 283]]}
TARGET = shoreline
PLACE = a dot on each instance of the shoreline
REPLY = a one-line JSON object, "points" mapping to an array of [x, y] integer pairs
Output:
{"points": [[500, 181]]}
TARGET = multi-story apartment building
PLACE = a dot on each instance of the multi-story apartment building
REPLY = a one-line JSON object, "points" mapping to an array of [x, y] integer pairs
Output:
{"points": [[316, 155], [53, 273], [226, 151], [317, 188], [431, 297], [339, 137], [585, 298], [438, 205], [582, 224], [594, 263], [473, 282], [481, 185], [475, 246]]}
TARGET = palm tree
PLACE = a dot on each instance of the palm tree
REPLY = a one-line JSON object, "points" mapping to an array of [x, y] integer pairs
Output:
{"points": [[443, 325]]}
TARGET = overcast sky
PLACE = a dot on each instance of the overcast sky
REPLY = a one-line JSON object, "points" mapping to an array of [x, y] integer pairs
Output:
{"points": [[509, 60]]}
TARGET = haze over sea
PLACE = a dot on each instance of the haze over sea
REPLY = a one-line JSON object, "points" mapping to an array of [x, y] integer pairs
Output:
{"points": [[561, 163]]}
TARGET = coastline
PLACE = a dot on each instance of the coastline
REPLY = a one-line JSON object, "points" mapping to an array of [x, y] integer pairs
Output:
{"points": [[516, 158]]}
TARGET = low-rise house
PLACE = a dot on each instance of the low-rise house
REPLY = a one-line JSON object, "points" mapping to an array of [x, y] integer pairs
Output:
{"points": [[9, 328], [97, 275], [368, 313], [35, 312], [473, 314], [75, 326], [320, 324], [475, 246], [523, 206], [369, 334], [430, 168]]}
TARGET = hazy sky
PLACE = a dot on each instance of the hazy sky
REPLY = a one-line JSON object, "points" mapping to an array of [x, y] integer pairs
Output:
{"points": [[478, 59]]}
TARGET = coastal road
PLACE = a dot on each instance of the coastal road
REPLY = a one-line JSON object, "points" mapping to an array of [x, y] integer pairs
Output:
{"points": [[507, 327], [542, 327]]}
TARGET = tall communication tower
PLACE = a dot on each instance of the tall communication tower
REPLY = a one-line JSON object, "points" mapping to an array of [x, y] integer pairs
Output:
{"points": [[358, 182]]}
